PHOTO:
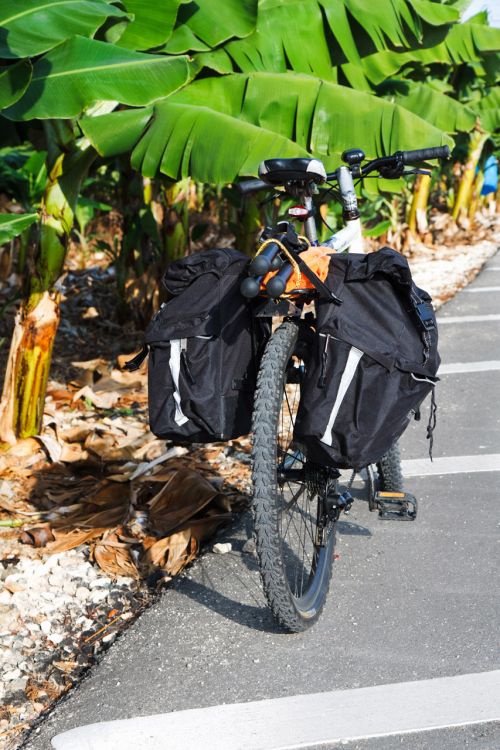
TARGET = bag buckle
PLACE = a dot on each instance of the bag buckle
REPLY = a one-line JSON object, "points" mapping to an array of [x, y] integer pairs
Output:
{"points": [[425, 314]]}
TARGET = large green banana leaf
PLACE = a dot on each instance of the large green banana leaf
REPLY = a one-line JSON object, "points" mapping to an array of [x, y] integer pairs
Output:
{"points": [[14, 81], [80, 72], [11, 225], [217, 128], [31, 27], [181, 140], [465, 42], [489, 110], [433, 106], [398, 22], [208, 23], [152, 25], [310, 36]]}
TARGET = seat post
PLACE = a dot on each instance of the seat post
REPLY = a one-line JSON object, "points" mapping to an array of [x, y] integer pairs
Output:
{"points": [[310, 228]]}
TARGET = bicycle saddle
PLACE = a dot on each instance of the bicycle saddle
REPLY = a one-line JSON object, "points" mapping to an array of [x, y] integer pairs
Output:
{"points": [[280, 171]]}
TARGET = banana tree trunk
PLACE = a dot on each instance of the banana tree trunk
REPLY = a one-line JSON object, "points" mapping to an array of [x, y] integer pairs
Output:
{"points": [[23, 397], [476, 143], [476, 195], [247, 225], [417, 221]]}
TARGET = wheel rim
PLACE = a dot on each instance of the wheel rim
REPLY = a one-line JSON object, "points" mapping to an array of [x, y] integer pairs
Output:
{"points": [[305, 531]]}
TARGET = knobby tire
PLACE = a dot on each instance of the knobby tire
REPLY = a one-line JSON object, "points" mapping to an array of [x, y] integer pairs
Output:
{"points": [[294, 612]]}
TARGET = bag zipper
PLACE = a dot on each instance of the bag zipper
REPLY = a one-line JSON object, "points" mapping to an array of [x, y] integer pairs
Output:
{"points": [[324, 360]]}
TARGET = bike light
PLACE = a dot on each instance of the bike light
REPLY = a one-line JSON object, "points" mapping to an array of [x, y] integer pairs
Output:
{"points": [[299, 212]]}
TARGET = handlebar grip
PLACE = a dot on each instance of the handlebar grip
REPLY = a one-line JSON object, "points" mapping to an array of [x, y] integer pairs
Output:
{"points": [[277, 285], [250, 287], [263, 263], [424, 154], [252, 186]]}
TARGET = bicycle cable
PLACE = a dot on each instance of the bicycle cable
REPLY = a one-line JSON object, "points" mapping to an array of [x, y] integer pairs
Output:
{"points": [[336, 195]]}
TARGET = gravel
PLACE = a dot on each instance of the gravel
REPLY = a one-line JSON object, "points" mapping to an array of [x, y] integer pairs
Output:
{"points": [[56, 615]]}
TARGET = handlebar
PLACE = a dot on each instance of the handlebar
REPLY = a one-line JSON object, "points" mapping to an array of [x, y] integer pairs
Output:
{"points": [[424, 154], [393, 166], [389, 166]]}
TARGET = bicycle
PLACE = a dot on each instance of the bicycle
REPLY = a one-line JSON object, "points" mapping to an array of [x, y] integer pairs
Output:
{"points": [[296, 502]]}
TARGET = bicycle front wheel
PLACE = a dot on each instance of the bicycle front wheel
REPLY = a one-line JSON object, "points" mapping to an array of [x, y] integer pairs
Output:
{"points": [[295, 534]]}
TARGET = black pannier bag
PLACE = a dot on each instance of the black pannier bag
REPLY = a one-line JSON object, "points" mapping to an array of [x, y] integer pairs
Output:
{"points": [[203, 351], [374, 361]]}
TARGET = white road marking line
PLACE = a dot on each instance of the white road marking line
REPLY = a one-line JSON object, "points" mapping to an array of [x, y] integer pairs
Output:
{"points": [[420, 467], [303, 720], [473, 290], [467, 319], [492, 268], [456, 367]]}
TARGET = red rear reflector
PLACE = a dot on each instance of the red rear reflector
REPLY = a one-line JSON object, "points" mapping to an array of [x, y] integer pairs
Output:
{"points": [[300, 212]]}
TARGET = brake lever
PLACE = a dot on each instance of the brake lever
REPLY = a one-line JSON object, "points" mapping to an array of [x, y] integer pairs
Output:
{"points": [[417, 171]]}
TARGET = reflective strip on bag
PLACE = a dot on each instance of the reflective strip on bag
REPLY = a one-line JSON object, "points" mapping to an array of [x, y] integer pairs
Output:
{"points": [[176, 346], [350, 368]]}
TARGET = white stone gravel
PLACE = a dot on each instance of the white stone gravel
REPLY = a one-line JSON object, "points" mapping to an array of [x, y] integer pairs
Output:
{"points": [[52, 611]]}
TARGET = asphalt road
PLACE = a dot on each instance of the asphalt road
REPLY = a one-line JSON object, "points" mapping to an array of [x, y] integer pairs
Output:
{"points": [[409, 601]]}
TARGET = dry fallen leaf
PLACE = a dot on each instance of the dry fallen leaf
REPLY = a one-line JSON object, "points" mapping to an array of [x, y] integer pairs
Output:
{"points": [[113, 556], [65, 666], [71, 539], [172, 553], [184, 495], [102, 399], [38, 536], [22, 448], [52, 446], [76, 434], [73, 452]]}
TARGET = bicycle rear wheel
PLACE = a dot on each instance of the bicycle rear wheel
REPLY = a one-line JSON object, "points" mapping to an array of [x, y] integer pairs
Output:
{"points": [[389, 470], [295, 534]]}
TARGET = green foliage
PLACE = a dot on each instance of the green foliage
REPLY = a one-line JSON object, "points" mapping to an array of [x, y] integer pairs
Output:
{"points": [[152, 23], [261, 115], [35, 26], [309, 36], [465, 43], [14, 81], [433, 105], [11, 225], [23, 174], [489, 109], [81, 72], [181, 140], [379, 229], [205, 24], [85, 211]]}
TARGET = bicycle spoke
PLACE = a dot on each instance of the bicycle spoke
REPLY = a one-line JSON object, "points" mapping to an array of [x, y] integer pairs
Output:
{"points": [[290, 492]]}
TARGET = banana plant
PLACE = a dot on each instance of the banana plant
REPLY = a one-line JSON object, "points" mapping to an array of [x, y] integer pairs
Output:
{"points": [[259, 114], [315, 36]]}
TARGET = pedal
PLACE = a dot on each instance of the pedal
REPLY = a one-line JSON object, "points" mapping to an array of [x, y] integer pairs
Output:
{"points": [[396, 506]]}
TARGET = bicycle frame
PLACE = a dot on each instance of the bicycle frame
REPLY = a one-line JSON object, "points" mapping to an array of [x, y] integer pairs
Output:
{"points": [[349, 236]]}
